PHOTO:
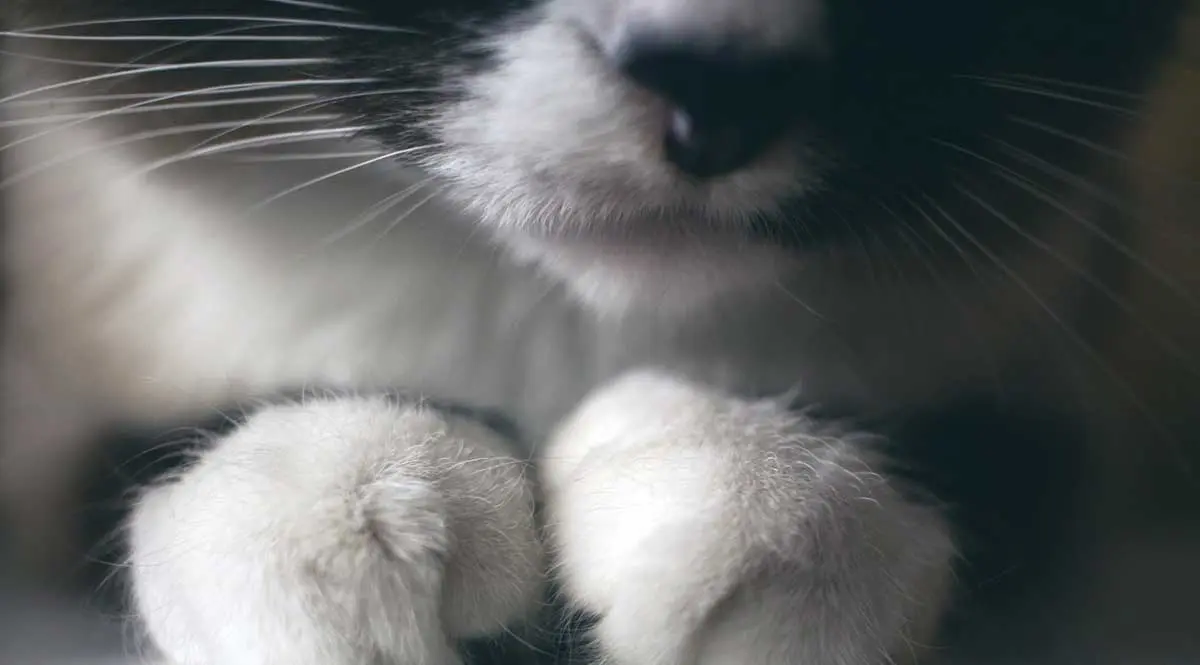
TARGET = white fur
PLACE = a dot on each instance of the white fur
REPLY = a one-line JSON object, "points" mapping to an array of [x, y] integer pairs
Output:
{"points": [[337, 532], [675, 279], [711, 530], [591, 166], [766, 25], [703, 528]]}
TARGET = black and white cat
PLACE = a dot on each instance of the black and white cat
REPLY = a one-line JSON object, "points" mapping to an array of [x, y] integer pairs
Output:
{"points": [[809, 314]]}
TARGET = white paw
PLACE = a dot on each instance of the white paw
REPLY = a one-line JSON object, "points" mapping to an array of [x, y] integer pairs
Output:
{"points": [[705, 529], [337, 532]]}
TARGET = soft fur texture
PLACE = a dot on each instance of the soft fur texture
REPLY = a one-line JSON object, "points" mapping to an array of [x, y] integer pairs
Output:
{"points": [[936, 327], [361, 531]]}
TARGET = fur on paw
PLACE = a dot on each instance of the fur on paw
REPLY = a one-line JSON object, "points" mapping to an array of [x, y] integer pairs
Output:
{"points": [[337, 531], [706, 529]]}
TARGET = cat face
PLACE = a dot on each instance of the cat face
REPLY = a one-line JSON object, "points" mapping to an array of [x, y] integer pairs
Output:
{"points": [[629, 139], [597, 116], [598, 129]]}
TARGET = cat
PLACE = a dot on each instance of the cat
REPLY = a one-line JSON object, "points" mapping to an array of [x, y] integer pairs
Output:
{"points": [[809, 316]]}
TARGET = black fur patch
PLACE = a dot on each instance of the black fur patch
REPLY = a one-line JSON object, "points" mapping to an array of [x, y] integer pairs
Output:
{"points": [[1010, 478]]}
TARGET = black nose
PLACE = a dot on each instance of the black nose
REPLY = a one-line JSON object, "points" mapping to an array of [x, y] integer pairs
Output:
{"points": [[728, 107]]}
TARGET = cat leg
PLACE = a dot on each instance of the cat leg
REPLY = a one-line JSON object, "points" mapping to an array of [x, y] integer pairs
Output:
{"points": [[337, 531], [704, 529]]}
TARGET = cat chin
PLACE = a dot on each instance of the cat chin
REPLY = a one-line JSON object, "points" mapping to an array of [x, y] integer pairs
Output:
{"points": [[672, 279]]}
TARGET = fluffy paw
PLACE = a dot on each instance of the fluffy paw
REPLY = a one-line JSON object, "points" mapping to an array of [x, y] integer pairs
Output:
{"points": [[337, 532], [711, 530]]}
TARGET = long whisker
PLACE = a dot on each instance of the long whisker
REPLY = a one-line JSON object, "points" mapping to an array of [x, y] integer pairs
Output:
{"points": [[333, 174], [1074, 138], [281, 138], [1086, 87], [1090, 226], [944, 235], [195, 92], [1076, 338], [1174, 286], [412, 210], [374, 212], [1062, 175], [145, 136], [947, 290], [185, 41], [80, 99], [1097, 147], [1026, 89], [193, 18], [151, 38], [100, 64], [215, 103], [225, 34], [85, 99], [302, 157], [211, 64], [322, 101], [309, 4], [1117, 299]]}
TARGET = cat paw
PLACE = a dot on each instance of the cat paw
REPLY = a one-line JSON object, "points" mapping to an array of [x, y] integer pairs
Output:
{"points": [[704, 529], [337, 531]]}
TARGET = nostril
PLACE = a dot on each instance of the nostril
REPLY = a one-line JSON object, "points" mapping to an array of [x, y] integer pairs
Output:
{"points": [[727, 107], [708, 149]]}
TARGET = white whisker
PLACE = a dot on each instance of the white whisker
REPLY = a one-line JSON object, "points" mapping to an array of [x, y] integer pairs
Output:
{"points": [[1121, 302], [1099, 148], [1087, 87], [1021, 88], [67, 61], [971, 264], [159, 38], [412, 210], [121, 110], [924, 249], [373, 213], [1078, 140], [309, 4], [1059, 173], [302, 157], [212, 64], [197, 92], [185, 18], [83, 99], [184, 41], [333, 174], [145, 136], [1072, 334], [270, 140], [1016, 179], [1164, 279], [216, 103], [323, 101]]}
